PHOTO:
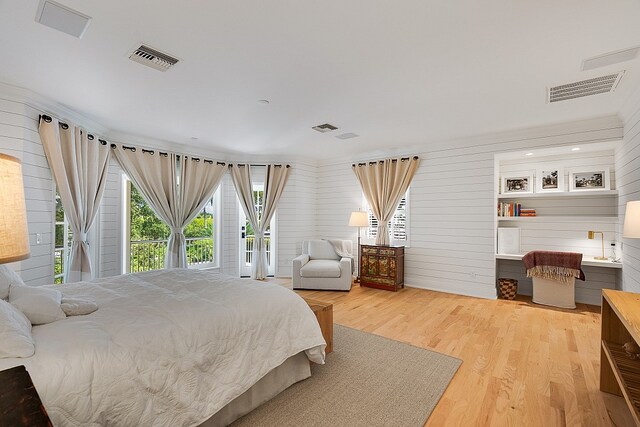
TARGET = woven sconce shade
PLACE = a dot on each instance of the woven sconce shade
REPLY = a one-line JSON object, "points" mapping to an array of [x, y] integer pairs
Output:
{"points": [[14, 235]]}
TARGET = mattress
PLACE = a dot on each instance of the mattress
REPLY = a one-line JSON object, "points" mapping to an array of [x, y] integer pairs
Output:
{"points": [[166, 347]]}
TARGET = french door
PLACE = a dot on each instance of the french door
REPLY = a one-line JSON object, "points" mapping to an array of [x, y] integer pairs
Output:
{"points": [[247, 236]]}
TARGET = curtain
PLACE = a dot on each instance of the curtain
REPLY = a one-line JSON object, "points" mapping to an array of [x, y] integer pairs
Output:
{"points": [[79, 163], [275, 180], [383, 184], [199, 179], [175, 187]]}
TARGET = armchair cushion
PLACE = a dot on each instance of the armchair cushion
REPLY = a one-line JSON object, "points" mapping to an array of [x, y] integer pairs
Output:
{"points": [[321, 268], [321, 249]]}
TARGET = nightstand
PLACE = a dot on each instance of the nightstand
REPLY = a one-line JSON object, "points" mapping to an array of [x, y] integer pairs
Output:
{"points": [[20, 404]]}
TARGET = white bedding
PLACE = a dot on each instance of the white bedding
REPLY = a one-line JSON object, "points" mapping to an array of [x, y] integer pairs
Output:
{"points": [[165, 348]]}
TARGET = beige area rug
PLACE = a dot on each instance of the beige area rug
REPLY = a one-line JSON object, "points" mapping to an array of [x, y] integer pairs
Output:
{"points": [[368, 380]]}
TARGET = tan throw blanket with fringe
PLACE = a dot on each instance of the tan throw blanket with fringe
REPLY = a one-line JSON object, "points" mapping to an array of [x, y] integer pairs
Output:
{"points": [[559, 266]]}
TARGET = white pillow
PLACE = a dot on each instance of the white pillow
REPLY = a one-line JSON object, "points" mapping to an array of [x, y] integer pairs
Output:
{"points": [[40, 305], [7, 278], [15, 333]]}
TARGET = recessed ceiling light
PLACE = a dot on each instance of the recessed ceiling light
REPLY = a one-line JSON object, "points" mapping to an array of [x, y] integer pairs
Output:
{"points": [[263, 101], [194, 138], [575, 149], [529, 154]]}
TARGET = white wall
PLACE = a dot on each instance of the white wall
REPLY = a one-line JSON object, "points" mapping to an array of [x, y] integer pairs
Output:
{"points": [[628, 175], [19, 138], [452, 210], [110, 223]]}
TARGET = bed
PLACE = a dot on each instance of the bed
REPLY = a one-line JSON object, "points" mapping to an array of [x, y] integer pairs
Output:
{"points": [[177, 347]]}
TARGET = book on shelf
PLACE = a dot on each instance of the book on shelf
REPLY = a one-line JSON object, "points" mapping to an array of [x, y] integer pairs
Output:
{"points": [[514, 209]]}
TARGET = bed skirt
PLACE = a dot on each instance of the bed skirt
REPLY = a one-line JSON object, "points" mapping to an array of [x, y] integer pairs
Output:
{"points": [[294, 369]]}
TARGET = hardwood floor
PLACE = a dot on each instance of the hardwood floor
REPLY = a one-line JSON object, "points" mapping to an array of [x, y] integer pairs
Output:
{"points": [[523, 364]]}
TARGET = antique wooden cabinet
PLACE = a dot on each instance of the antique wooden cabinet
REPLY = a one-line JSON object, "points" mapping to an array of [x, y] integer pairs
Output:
{"points": [[382, 267]]}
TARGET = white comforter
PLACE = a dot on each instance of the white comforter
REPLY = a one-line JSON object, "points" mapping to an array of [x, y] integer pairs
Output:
{"points": [[165, 348]]}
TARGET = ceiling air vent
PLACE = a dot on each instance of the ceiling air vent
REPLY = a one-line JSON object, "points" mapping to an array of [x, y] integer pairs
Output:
{"points": [[152, 58], [582, 88], [324, 128]]}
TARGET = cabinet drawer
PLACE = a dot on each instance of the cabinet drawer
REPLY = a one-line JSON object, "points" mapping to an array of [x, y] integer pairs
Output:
{"points": [[369, 250], [388, 252]]}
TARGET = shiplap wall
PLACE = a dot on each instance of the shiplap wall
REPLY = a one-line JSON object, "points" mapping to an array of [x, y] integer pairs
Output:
{"points": [[19, 137], [110, 223], [296, 215], [229, 258], [452, 209], [628, 174]]}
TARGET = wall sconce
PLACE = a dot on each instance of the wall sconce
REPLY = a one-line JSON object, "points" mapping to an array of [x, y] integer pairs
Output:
{"points": [[591, 236]]}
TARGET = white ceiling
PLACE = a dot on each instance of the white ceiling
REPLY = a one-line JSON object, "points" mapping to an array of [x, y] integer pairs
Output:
{"points": [[398, 73]]}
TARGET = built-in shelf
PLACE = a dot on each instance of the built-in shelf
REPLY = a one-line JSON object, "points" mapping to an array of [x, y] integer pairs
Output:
{"points": [[620, 374], [602, 193], [627, 373], [591, 262], [560, 218]]}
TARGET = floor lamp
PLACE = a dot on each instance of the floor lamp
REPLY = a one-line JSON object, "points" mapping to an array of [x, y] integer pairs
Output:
{"points": [[14, 237], [358, 219]]}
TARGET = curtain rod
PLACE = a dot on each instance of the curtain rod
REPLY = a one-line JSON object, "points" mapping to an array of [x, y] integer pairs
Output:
{"points": [[65, 126], [152, 152], [403, 159], [252, 164]]}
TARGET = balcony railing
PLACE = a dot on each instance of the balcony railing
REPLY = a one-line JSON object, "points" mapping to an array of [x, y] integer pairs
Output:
{"points": [[248, 249], [148, 255], [59, 260]]}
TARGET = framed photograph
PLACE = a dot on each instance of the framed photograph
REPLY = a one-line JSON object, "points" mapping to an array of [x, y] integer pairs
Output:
{"points": [[549, 180], [589, 179], [517, 184]]}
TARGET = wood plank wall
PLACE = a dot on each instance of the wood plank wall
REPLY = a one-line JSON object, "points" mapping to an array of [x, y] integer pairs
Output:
{"points": [[19, 137], [628, 177]]}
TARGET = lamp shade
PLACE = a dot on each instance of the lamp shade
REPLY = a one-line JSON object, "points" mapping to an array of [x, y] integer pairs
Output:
{"points": [[14, 235], [632, 220], [359, 219]]}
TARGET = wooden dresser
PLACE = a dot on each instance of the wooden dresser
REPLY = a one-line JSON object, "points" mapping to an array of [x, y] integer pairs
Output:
{"points": [[382, 267], [619, 374]]}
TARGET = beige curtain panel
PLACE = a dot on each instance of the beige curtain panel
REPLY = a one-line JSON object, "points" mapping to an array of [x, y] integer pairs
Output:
{"points": [[276, 177], [199, 179], [384, 183], [79, 162], [175, 187]]}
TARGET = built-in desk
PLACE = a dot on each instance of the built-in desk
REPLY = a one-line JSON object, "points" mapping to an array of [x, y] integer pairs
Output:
{"points": [[591, 262]]}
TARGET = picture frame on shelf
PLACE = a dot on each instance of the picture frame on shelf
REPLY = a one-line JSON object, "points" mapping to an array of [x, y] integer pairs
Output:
{"points": [[590, 179], [550, 180], [517, 184]]}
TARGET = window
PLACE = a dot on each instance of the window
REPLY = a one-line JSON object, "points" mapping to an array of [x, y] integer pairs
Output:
{"points": [[62, 243], [147, 235], [398, 226]]}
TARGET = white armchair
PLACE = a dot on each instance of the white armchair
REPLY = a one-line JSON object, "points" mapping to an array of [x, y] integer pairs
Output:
{"points": [[320, 267]]}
